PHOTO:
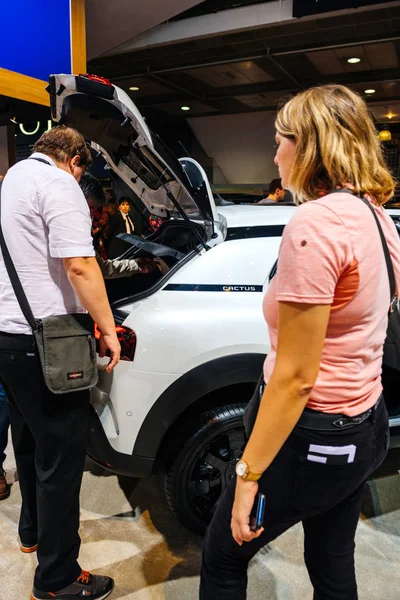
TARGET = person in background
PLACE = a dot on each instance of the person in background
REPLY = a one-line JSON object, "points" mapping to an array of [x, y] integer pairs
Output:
{"points": [[109, 209], [119, 223], [276, 193], [4, 422], [96, 199], [155, 222], [319, 428], [110, 269], [47, 228]]}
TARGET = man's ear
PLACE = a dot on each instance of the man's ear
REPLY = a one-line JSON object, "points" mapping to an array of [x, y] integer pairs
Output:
{"points": [[75, 161]]}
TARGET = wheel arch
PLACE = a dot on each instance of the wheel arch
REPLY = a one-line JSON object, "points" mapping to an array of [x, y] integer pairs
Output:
{"points": [[199, 389]]}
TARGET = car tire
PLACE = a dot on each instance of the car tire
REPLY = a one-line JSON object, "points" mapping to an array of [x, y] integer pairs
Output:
{"points": [[204, 464]]}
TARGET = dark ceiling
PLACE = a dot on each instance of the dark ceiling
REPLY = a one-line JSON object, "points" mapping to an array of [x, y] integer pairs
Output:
{"points": [[23, 112], [213, 6], [253, 70]]}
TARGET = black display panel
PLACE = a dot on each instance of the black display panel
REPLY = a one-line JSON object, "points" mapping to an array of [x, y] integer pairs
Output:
{"points": [[302, 8]]}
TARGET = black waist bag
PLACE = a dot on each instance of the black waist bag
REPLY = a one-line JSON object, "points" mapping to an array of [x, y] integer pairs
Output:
{"points": [[251, 411], [391, 349], [65, 343]]}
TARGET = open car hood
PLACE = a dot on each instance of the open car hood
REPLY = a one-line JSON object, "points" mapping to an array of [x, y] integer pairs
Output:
{"points": [[106, 116]]}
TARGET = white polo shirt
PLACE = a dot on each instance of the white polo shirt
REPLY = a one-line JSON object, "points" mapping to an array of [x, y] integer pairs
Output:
{"points": [[45, 218]]}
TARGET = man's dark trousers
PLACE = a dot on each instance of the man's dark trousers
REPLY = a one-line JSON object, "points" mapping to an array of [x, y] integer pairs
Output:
{"points": [[49, 434], [4, 422]]}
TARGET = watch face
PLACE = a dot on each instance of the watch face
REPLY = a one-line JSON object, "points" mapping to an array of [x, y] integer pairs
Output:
{"points": [[241, 468]]}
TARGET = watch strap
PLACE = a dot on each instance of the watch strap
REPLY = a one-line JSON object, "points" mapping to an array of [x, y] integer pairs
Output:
{"points": [[252, 476]]}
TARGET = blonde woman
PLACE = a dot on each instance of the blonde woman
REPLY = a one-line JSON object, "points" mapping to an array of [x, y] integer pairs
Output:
{"points": [[322, 425]]}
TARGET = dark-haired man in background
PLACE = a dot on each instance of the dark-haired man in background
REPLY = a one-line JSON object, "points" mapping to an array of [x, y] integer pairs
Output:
{"points": [[276, 193]]}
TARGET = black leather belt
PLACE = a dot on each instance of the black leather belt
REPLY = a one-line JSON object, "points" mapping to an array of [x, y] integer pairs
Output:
{"points": [[312, 419]]}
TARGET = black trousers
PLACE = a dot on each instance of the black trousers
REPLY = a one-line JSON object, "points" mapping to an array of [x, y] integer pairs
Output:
{"points": [[325, 496], [49, 434]]}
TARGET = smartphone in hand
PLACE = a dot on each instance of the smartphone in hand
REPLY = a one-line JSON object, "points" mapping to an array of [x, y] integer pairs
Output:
{"points": [[257, 513]]}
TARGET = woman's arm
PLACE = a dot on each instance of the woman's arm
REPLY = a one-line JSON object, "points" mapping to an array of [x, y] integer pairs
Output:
{"points": [[301, 334]]}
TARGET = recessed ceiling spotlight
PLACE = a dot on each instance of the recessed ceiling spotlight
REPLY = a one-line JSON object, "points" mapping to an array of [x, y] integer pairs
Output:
{"points": [[185, 107], [354, 60], [370, 91], [134, 89]]}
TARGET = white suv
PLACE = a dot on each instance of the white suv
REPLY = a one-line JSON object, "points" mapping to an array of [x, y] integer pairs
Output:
{"points": [[193, 336]]}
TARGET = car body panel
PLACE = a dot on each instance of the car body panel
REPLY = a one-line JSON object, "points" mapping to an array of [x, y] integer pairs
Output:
{"points": [[208, 310], [171, 338]]}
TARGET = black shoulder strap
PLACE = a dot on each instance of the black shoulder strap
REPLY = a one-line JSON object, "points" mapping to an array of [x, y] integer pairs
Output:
{"points": [[15, 281], [42, 160], [388, 258]]}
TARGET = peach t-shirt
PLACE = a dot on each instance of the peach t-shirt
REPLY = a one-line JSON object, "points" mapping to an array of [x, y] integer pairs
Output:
{"points": [[331, 253]]}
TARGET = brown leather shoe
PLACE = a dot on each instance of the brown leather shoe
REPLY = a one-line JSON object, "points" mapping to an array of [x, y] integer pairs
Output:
{"points": [[28, 549], [4, 487]]}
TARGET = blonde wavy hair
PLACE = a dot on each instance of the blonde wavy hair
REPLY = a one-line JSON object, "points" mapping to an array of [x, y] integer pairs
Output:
{"points": [[336, 144]]}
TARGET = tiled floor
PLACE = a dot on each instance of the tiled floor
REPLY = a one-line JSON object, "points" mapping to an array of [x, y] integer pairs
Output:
{"points": [[128, 532]]}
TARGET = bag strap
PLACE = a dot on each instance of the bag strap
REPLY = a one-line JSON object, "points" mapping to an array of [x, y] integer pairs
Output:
{"points": [[388, 258], [42, 160], [15, 281]]}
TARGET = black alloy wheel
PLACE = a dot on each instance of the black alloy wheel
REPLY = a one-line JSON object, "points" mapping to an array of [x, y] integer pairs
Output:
{"points": [[205, 465]]}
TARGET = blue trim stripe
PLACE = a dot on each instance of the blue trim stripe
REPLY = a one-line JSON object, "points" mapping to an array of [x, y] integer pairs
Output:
{"points": [[258, 231], [192, 287]]}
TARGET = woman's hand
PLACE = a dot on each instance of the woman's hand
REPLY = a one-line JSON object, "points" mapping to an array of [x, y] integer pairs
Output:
{"points": [[245, 496]]}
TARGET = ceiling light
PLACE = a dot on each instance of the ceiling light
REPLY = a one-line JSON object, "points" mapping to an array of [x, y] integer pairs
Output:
{"points": [[354, 60], [134, 89], [185, 107], [370, 91], [385, 135]]}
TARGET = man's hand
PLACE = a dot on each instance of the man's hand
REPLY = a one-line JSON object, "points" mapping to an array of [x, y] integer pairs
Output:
{"points": [[146, 265], [245, 495], [110, 342]]}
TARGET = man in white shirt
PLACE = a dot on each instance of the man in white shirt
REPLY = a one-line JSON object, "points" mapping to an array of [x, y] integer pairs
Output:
{"points": [[47, 228]]}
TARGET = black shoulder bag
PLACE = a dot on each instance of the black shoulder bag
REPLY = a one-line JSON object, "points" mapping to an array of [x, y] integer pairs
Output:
{"points": [[65, 343], [391, 347]]}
